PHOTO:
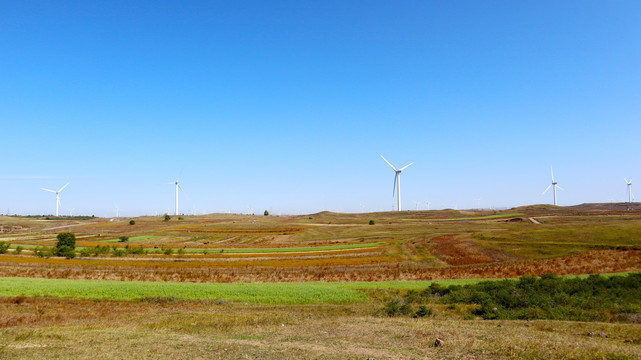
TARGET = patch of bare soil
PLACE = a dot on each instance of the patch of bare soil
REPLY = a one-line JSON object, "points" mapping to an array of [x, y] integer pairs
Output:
{"points": [[454, 251]]}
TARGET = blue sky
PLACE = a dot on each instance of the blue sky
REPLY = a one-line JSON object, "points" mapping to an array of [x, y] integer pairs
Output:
{"points": [[288, 105]]}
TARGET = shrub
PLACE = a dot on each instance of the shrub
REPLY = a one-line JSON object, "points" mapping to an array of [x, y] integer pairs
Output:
{"points": [[595, 298], [84, 252], [131, 222], [119, 252], [423, 311], [42, 252], [123, 239], [101, 250], [411, 296], [181, 251], [181, 218], [406, 309], [167, 217], [18, 249], [168, 251], [4, 246], [372, 222], [66, 239], [266, 213], [392, 308], [137, 251]]}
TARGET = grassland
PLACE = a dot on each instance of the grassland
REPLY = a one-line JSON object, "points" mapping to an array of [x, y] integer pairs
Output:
{"points": [[312, 286]]}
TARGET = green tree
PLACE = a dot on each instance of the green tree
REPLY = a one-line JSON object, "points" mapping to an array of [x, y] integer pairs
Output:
{"points": [[66, 251], [4, 246], [66, 245], [266, 213], [131, 222], [167, 217], [66, 239]]}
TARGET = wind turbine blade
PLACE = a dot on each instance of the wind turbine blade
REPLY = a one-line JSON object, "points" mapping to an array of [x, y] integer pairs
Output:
{"points": [[53, 191], [546, 189], [552, 172], [63, 187], [179, 186], [405, 167], [392, 166], [394, 189], [560, 188]]}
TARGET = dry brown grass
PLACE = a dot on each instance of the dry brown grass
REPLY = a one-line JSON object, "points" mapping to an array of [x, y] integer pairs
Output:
{"points": [[74, 329]]}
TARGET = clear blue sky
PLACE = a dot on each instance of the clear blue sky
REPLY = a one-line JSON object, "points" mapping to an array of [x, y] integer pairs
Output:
{"points": [[287, 105]]}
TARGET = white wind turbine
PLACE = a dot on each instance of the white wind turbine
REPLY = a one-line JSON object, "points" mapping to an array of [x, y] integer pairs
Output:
{"points": [[177, 187], [57, 196], [428, 204], [630, 196], [553, 184], [397, 181]]}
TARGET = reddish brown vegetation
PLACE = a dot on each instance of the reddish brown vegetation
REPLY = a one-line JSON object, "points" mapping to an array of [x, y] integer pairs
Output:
{"points": [[456, 252], [601, 261]]}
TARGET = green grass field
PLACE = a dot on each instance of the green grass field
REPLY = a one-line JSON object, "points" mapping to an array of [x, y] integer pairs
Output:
{"points": [[260, 293]]}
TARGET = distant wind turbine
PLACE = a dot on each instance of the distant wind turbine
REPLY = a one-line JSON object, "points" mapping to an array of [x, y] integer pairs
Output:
{"points": [[397, 181], [630, 196], [553, 184], [428, 204], [177, 187], [57, 196]]}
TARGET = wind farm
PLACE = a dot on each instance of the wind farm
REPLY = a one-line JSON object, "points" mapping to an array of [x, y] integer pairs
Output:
{"points": [[219, 190]]}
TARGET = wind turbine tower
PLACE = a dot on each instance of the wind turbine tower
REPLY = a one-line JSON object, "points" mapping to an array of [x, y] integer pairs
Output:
{"points": [[397, 181], [554, 184], [629, 189], [57, 196], [177, 187]]}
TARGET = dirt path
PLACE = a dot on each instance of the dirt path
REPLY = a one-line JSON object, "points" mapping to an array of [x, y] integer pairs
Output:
{"points": [[534, 221]]}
